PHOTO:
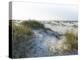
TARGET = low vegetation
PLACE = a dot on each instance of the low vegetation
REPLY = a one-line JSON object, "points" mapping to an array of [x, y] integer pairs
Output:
{"points": [[22, 37], [71, 39], [33, 24], [66, 45], [25, 28]]}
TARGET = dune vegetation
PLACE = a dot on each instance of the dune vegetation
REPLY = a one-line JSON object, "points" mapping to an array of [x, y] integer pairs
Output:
{"points": [[27, 35], [21, 36], [67, 45], [72, 39]]}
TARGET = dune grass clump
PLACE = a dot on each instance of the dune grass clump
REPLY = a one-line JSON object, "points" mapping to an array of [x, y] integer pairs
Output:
{"points": [[67, 45], [33, 24], [22, 37], [71, 39], [20, 30], [24, 28]]}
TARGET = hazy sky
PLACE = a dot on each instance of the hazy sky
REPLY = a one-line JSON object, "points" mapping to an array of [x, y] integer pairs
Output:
{"points": [[40, 11]]}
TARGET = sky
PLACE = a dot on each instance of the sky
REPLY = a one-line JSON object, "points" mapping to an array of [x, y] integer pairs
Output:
{"points": [[44, 11]]}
